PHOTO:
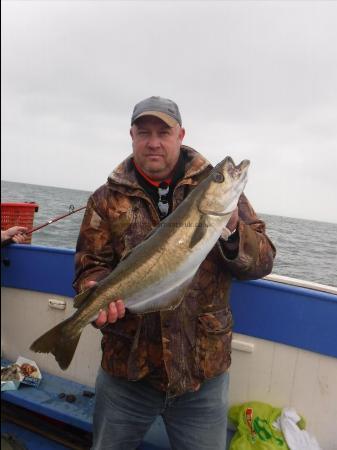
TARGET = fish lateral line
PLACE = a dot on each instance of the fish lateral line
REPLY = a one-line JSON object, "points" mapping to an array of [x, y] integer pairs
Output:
{"points": [[214, 213]]}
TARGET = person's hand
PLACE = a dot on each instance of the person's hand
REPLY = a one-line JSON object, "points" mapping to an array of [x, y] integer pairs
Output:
{"points": [[17, 234], [116, 310], [233, 221], [20, 237]]}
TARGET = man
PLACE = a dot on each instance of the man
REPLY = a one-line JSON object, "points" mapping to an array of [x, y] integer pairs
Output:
{"points": [[172, 363]]}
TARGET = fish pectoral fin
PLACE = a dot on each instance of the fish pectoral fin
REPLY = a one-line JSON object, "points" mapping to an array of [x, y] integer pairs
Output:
{"points": [[163, 301], [199, 231], [80, 298], [173, 305], [166, 303]]}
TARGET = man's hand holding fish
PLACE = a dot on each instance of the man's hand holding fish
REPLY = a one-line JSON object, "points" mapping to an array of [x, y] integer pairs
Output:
{"points": [[115, 310]]}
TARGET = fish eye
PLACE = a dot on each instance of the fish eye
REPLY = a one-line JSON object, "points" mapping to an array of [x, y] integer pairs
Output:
{"points": [[218, 177]]}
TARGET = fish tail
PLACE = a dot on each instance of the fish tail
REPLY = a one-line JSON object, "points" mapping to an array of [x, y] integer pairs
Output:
{"points": [[61, 341]]}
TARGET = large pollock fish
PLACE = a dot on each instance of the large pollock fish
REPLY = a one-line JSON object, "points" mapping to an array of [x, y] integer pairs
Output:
{"points": [[154, 276]]}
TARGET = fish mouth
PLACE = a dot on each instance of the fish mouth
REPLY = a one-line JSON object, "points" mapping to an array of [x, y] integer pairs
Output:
{"points": [[243, 165], [232, 169], [229, 161], [228, 165], [238, 176]]}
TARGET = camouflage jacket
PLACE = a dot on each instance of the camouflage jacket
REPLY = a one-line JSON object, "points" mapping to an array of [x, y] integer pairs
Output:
{"points": [[174, 350]]}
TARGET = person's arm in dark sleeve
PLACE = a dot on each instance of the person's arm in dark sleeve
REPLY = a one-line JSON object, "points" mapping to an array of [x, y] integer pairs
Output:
{"points": [[94, 258], [248, 253]]}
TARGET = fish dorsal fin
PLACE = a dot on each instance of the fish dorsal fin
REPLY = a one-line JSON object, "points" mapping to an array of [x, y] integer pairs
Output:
{"points": [[128, 252], [199, 232], [151, 232], [80, 298]]}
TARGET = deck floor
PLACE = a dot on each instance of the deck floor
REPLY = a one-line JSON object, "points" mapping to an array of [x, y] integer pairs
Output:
{"points": [[34, 441], [27, 406], [29, 439]]}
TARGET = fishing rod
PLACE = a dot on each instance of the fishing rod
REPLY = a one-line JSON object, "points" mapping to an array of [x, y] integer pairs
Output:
{"points": [[72, 210]]}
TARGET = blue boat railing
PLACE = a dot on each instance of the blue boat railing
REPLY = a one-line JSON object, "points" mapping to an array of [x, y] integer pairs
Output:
{"points": [[281, 312]]}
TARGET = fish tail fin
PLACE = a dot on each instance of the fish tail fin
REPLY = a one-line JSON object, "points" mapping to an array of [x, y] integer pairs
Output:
{"points": [[61, 341]]}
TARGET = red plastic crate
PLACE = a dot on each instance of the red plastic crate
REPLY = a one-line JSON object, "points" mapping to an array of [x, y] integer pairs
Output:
{"points": [[21, 214]]}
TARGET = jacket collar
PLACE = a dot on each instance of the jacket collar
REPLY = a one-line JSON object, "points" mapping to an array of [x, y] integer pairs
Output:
{"points": [[124, 174]]}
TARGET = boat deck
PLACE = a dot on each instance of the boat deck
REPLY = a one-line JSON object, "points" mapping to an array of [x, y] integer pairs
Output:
{"points": [[29, 439], [45, 400]]}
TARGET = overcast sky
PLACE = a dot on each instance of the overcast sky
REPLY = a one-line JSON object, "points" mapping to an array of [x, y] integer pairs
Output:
{"points": [[253, 79]]}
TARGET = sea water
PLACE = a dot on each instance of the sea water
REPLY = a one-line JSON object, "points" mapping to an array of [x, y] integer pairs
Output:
{"points": [[305, 249]]}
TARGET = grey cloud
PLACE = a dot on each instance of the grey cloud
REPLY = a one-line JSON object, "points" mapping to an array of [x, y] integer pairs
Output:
{"points": [[253, 79]]}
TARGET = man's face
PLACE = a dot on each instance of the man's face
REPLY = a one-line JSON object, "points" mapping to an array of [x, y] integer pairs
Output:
{"points": [[156, 146]]}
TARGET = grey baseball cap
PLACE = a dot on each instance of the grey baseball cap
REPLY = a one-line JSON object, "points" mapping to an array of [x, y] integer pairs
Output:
{"points": [[163, 108]]}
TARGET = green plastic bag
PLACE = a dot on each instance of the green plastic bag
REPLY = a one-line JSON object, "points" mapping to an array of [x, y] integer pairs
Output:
{"points": [[255, 429]]}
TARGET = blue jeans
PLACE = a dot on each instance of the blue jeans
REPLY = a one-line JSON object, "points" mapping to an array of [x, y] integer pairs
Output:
{"points": [[125, 410]]}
